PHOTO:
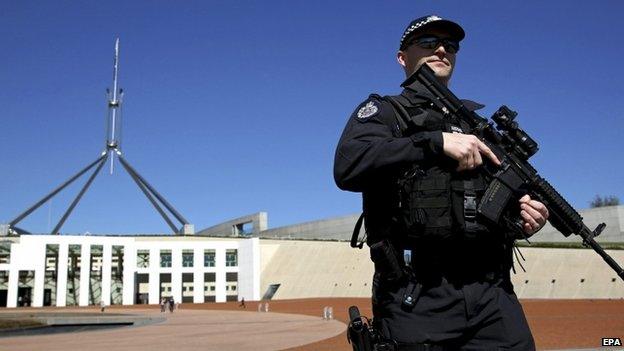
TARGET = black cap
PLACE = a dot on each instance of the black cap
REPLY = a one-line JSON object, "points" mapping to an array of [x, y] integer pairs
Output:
{"points": [[431, 21]]}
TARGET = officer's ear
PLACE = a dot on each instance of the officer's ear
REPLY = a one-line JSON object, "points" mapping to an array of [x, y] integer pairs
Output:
{"points": [[402, 60]]}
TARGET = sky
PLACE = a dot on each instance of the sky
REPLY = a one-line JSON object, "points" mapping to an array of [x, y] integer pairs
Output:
{"points": [[236, 107]]}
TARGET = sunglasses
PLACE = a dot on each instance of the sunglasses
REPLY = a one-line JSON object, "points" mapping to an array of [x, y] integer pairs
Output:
{"points": [[431, 42]]}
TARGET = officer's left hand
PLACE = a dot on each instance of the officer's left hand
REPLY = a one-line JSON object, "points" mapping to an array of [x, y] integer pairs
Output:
{"points": [[534, 214]]}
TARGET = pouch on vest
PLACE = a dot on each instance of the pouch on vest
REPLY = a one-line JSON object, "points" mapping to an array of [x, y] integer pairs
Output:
{"points": [[425, 205]]}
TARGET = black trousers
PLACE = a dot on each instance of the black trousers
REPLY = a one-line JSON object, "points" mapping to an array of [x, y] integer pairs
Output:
{"points": [[482, 314]]}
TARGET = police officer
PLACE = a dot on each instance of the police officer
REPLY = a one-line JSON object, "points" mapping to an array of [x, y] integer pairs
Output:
{"points": [[419, 188]]}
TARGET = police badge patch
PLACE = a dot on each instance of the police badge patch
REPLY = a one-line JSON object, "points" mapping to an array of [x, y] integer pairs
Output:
{"points": [[368, 110]]}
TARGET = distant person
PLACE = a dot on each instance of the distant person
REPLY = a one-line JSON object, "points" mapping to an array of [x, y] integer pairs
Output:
{"points": [[102, 306], [163, 301], [171, 304], [242, 303]]}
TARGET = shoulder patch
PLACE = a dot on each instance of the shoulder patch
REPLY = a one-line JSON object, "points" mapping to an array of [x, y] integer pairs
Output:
{"points": [[370, 109]]}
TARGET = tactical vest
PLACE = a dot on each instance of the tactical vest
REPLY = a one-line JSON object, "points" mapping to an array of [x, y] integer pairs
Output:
{"points": [[436, 203]]}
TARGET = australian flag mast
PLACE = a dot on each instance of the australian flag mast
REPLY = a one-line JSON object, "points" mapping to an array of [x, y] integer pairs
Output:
{"points": [[112, 150], [113, 122]]}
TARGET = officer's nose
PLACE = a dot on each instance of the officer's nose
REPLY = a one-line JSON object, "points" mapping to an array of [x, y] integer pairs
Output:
{"points": [[440, 50]]}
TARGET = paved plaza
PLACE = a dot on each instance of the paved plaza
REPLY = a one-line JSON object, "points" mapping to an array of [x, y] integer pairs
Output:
{"points": [[189, 330], [296, 325]]}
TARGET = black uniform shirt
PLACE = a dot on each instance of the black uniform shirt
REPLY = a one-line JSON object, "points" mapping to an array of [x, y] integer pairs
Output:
{"points": [[372, 154], [371, 147]]}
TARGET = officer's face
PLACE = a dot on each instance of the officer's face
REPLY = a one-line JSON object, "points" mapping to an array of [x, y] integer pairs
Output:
{"points": [[439, 59]]}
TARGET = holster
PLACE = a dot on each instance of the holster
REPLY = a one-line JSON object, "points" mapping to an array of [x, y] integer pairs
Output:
{"points": [[387, 262]]}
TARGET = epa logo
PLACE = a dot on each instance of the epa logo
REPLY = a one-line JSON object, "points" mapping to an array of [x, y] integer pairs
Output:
{"points": [[611, 342]]}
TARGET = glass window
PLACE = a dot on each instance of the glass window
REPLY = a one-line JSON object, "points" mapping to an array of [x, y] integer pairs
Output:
{"points": [[5, 253], [209, 258], [51, 257], [187, 258], [74, 258], [165, 258], [4, 280], [231, 258], [118, 263], [143, 257], [97, 256]]}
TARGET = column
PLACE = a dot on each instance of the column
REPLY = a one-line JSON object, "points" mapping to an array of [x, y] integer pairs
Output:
{"points": [[249, 269], [85, 274], [129, 259], [154, 276], [39, 269], [61, 282], [39, 286], [220, 275], [13, 284], [107, 262], [176, 274], [198, 275]]}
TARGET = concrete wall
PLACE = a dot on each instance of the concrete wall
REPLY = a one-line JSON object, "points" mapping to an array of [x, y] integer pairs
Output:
{"points": [[333, 269], [314, 269], [568, 273], [340, 228], [613, 216]]}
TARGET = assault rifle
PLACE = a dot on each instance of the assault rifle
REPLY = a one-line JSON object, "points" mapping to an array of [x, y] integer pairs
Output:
{"points": [[515, 176]]}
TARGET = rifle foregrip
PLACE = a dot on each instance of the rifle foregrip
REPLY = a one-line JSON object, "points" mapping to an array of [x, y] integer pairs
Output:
{"points": [[562, 215]]}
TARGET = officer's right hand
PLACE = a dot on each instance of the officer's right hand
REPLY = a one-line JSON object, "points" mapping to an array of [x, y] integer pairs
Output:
{"points": [[466, 149]]}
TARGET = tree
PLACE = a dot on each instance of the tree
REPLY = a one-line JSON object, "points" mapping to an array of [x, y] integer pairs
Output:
{"points": [[603, 201]]}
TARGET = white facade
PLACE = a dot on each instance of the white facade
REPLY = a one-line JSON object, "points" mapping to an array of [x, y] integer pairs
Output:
{"points": [[33, 272]]}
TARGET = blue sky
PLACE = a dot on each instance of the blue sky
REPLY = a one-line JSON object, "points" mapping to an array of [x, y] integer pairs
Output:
{"points": [[235, 107]]}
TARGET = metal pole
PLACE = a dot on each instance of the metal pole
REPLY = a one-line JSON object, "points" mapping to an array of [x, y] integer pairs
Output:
{"points": [[150, 198], [78, 197], [113, 104], [153, 191], [54, 192]]}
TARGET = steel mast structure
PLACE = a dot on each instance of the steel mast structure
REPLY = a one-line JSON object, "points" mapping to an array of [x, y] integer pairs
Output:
{"points": [[112, 150]]}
